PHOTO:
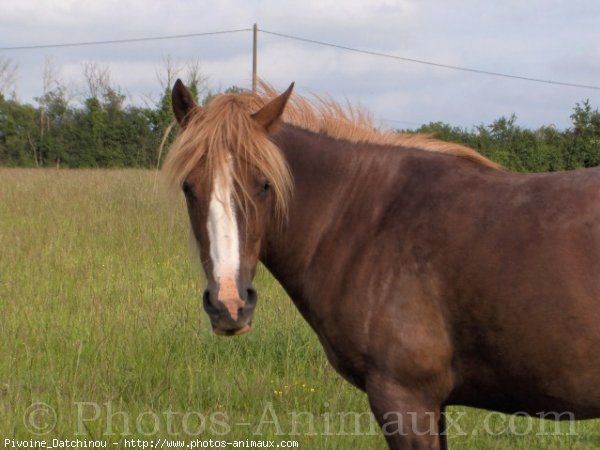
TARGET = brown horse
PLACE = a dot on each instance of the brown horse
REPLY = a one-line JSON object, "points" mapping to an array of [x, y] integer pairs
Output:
{"points": [[431, 276]]}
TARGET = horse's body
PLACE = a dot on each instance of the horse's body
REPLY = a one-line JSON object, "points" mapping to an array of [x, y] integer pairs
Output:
{"points": [[434, 280], [422, 266]]}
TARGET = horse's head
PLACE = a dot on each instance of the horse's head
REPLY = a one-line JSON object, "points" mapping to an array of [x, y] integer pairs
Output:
{"points": [[236, 185]]}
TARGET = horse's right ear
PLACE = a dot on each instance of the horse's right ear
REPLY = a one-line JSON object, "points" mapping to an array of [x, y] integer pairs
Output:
{"points": [[183, 103]]}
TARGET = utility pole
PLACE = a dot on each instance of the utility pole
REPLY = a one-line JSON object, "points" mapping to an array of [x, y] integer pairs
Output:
{"points": [[254, 49]]}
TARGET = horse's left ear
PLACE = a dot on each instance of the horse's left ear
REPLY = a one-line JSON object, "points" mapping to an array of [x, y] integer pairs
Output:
{"points": [[270, 114]]}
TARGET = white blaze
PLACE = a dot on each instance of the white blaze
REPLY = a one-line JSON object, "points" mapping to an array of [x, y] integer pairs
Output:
{"points": [[223, 229], [224, 241]]}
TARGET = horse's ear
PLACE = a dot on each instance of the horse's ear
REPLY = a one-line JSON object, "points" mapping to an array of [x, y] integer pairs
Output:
{"points": [[183, 103], [270, 114]]}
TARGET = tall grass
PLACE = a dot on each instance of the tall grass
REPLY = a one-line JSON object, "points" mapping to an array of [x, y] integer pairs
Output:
{"points": [[102, 334]]}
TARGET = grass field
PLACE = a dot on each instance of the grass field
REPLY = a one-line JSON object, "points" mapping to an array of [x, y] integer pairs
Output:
{"points": [[102, 335]]}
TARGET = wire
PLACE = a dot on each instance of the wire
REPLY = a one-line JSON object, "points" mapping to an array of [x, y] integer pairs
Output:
{"points": [[430, 63], [310, 41], [123, 41]]}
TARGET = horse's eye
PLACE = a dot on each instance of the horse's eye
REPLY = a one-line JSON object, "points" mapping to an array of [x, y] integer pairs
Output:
{"points": [[187, 189], [264, 188]]}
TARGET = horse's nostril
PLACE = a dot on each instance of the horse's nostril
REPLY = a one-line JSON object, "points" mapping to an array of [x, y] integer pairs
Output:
{"points": [[251, 296], [207, 303]]}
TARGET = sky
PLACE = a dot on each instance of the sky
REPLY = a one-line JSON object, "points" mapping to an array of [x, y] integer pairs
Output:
{"points": [[550, 39]]}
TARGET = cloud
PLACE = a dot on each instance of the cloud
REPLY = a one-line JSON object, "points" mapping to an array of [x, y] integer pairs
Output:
{"points": [[544, 39]]}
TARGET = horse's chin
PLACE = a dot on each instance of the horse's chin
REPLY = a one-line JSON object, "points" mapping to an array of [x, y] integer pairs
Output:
{"points": [[238, 332]]}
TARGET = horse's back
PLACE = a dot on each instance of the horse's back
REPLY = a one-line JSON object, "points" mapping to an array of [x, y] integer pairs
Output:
{"points": [[526, 308]]}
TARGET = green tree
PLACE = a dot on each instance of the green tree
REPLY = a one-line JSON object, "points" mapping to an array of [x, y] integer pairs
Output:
{"points": [[18, 134], [583, 149]]}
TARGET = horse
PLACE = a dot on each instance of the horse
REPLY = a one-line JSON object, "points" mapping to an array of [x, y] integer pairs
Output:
{"points": [[431, 275]]}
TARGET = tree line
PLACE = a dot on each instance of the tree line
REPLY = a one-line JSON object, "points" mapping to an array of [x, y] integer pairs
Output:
{"points": [[103, 131], [93, 129], [546, 149]]}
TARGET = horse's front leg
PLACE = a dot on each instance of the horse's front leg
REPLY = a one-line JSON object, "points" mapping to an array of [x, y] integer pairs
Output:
{"points": [[408, 420]]}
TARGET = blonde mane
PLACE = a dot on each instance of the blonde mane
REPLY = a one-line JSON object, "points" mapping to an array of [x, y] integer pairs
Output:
{"points": [[223, 132], [324, 115]]}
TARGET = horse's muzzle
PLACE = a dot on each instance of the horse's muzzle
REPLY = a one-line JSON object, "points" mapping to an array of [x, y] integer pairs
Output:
{"points": [[238, 332], [223, 324]]}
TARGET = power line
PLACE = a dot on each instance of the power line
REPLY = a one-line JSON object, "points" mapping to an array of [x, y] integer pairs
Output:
{"points": [[430, 63], [122, 41], [307, 40]]}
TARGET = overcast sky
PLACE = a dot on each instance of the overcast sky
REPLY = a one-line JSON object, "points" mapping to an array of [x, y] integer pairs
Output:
{"points": [[550, 39]]}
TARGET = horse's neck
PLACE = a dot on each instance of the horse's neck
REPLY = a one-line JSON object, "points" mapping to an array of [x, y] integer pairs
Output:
{"points": [[327, 176]]}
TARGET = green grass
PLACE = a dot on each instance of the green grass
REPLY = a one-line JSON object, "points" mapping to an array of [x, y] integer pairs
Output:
{"points": [[101, 320]]}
